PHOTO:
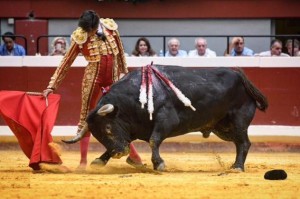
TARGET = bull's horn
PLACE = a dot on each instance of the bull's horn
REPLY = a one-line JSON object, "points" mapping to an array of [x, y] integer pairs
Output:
{"points": [[79, 135], [107, 108]]}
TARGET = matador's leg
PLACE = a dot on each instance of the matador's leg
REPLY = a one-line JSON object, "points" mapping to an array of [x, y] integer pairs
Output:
{"points": [[89, 93], [94, 78]]}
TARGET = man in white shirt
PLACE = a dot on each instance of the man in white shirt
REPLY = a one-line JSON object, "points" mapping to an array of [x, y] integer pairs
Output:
{"points": [[173, 46], [201, 49], [275, 50]]}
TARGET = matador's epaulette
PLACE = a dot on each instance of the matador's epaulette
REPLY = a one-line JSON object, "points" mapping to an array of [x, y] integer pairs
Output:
{"points": [[108, 23], [80, 36]]}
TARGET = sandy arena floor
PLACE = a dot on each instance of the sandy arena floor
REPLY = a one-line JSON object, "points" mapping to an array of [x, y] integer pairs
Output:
{"points": [[188, 175]]}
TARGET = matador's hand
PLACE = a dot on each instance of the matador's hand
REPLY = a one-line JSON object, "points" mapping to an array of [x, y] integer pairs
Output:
{"points": [[47, 92]]}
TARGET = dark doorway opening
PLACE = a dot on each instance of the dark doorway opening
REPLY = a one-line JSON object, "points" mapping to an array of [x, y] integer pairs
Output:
{"points": [[287, 27]]}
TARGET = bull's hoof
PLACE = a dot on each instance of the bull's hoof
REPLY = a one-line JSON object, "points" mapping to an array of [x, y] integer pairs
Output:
{"points": [[160, 167], [235, 170], [97, 163], [134, 163]]}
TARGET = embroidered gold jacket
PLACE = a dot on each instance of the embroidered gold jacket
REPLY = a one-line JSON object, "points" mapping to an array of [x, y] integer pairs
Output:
{"points": [[92, 48]]}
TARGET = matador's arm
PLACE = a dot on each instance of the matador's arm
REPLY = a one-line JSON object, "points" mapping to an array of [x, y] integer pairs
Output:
{"points": [[78, 38]]}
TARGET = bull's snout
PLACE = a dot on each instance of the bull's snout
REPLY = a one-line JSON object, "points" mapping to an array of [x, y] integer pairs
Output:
{"points": [[118, 155]]}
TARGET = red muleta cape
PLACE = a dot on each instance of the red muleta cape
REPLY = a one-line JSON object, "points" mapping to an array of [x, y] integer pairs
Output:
{"points": [[31, 121]]}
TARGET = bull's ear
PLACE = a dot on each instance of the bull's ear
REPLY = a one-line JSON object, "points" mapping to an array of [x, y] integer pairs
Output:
{"points": [[107, 108]]}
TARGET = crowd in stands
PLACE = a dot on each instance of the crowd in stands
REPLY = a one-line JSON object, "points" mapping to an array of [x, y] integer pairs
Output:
{"points": [[236, 48], [143, 48]]}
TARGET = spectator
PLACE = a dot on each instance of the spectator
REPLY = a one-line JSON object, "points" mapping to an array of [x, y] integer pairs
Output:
{"points": [[201, 49], [174, 51], [59, 46], [143, 48], [275, 50], [10, 48], [237, 48], [289, 47]]}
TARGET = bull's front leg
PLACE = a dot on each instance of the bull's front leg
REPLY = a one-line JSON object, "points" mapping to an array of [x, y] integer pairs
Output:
{"points": [[101, 161], [157, 161], [163, 126]]}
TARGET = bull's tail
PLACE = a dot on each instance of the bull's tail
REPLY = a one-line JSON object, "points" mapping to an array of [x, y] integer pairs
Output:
{"points": [[261, 101]]}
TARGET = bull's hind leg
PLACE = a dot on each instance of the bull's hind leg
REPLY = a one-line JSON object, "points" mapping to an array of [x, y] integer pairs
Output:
{"points": [[234, 127], [241, 141], [235, 131], [240, 122], [242, 145]]}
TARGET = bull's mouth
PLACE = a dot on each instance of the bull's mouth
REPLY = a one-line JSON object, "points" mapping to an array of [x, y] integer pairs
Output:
{"points": [[118, 154]]}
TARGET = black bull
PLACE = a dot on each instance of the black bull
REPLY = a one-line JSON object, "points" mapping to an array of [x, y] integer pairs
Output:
{"points": [[224, 99]]}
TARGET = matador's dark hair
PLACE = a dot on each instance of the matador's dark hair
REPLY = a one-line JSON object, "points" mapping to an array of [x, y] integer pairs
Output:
{"points": [[89, 20]]}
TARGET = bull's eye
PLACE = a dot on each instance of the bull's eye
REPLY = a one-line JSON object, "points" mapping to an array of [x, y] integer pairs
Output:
{"points": [[108, 129]]}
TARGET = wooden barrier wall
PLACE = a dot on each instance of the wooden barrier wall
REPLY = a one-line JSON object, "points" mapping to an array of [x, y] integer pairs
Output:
{"points": [[277, 78]]}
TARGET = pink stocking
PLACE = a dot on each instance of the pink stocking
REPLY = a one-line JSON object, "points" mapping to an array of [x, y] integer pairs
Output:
{"points": [[84, 146], [133, 155]]}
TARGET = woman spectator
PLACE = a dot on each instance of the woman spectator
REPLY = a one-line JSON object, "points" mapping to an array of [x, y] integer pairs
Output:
{"points": [[143, 48], [59, 46]]}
